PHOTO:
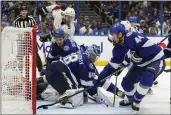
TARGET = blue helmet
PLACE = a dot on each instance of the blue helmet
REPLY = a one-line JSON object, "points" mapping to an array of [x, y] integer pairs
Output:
{"points": [[115, 29], [133, 19], [59, 33], [93, 50]]}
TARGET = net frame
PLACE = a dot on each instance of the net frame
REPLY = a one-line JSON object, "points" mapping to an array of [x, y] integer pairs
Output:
{"points": [[33, 40]]}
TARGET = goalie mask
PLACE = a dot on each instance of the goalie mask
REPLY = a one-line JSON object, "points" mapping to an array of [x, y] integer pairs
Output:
{"points": [[93, 52]]}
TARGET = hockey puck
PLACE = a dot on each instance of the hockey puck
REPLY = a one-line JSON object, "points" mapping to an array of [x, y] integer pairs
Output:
{"points": [[45, 107], [155, 82]]}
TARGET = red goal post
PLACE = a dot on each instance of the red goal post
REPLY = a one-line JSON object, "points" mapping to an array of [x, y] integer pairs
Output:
{"points": [[18, 70]]}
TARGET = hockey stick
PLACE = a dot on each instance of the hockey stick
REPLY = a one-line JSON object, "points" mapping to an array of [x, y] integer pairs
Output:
{"points": [[44, 50], [115, 90], [164, 39], [67, 97]]}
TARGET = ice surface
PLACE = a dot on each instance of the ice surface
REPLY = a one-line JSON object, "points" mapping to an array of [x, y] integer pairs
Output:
{"points": [[157, 103]]}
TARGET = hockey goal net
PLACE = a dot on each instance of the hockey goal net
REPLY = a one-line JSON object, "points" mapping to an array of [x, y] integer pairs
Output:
{"points": [[18, 70]]}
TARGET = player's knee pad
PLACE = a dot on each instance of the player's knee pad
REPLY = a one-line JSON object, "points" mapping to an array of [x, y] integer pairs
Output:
{"points": [[147, 78], [57, 76]]}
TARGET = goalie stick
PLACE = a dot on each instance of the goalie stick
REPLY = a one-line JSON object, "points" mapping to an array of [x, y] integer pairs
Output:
{"points": [[67, 97]]}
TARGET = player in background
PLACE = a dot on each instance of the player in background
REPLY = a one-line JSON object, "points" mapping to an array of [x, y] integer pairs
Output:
{"points": [[63, 17], [148, 63], [134, 21]]}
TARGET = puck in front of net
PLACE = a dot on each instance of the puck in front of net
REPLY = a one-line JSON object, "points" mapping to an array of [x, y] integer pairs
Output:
{"points": [[45, 107]]}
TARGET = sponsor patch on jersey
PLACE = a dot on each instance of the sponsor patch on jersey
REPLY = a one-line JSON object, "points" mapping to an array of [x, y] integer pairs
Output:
{"points": [[66, 48], [91, 66]]}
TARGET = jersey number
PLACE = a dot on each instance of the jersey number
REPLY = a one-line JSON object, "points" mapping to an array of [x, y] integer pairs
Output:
{"points": [[71, 58], [138, 39]]}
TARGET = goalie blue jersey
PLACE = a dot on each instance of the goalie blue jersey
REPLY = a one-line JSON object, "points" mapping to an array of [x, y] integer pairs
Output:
{"points": [[82, 68]]}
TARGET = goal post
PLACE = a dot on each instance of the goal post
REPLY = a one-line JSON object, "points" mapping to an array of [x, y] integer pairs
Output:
{"points": [[18, 70]]}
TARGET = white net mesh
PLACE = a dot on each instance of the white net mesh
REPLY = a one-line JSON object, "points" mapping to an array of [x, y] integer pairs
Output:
{"points": [[16, 71]]}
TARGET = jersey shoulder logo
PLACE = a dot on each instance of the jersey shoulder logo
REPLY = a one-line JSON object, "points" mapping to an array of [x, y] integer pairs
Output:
{"points": [[66, 48]]}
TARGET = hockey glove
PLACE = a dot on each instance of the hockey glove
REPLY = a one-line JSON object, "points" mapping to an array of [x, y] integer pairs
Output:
{"points": [[43, 70], [135, 59], [44, 37]]}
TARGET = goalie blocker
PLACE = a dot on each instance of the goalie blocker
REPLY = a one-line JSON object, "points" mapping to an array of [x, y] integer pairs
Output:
{"points": [[60, 78]]}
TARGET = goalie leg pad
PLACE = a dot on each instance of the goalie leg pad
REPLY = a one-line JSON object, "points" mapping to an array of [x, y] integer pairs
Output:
{"points": [[58, 76], [50, 94], [74, 101]]}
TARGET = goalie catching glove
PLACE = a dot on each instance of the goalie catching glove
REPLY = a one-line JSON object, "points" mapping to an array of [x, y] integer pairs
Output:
{"points": [[44, 37]]}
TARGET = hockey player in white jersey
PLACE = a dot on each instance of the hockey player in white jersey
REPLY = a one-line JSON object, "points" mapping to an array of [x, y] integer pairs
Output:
{"points": [[63, 18]]}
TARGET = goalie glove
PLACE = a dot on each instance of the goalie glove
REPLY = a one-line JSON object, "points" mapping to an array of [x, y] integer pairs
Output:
{"points": [[44, 37]]}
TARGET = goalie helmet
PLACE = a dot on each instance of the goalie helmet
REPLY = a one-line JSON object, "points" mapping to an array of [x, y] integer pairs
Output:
{"points": [[93, 52]]}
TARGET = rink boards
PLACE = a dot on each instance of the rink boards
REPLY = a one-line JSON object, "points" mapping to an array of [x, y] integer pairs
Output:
{"points": [[101, 41]]}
